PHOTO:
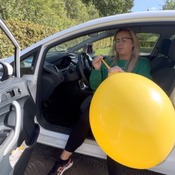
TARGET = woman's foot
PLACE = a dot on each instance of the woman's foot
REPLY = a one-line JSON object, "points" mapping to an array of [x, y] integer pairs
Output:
{"points": [[60, 166]]}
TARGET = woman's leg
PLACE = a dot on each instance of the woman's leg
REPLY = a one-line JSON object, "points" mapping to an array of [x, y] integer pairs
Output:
{"points": [[114, 168], [79, 132], [76, 138], [81, 129]]}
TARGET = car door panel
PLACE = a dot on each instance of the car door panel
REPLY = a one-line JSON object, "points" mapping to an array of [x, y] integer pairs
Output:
{"points": [[17, 127]]}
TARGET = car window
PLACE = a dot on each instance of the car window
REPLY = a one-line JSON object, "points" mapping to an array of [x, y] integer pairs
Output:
{"points": [[103, 46], [99, 43], [93, 44], [27, 64], [172, 37], [147, 42]]}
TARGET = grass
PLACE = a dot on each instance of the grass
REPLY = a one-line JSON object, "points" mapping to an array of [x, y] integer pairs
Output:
{"points": [[105, 51]]}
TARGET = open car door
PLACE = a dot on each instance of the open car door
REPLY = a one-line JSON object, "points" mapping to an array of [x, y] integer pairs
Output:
{"points": [[18, 131]]}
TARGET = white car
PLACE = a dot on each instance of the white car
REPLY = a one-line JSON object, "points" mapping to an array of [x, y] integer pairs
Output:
{"points": [[58, 67]]}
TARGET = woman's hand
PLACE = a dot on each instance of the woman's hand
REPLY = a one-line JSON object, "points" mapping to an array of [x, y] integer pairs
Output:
{"points": [[115, 69], [96, 62]]}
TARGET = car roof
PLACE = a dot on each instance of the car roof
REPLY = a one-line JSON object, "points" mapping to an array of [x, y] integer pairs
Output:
{"points": [[139, 21]]}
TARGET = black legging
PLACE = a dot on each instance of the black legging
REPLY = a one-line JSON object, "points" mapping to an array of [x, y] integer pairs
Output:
{"points": [[81, 129], [115, 168]]}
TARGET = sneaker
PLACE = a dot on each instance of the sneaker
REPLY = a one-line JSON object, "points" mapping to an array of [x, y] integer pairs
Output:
{"points": [[60, 166]]}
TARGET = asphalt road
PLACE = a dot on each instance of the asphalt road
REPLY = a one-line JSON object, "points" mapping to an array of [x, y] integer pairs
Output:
{"points": [[43, 157]]}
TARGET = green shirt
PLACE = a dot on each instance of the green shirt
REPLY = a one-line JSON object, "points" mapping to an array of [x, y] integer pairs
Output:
{"points": [[142, 67]]}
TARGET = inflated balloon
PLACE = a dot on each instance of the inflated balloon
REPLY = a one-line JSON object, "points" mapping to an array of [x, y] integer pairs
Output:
{"points": [[133, 120]]}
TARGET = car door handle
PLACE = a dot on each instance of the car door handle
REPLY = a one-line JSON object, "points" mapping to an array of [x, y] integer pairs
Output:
{"points": [[16, 105]]}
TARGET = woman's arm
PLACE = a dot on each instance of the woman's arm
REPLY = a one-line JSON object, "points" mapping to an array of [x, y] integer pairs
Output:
{"points": [[95, 79]]}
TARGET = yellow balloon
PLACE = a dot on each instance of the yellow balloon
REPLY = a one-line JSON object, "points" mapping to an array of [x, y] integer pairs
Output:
{"points": [[133, 120]]}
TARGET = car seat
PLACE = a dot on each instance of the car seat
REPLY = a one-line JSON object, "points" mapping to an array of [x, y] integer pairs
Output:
{"points": [[165, 78], [171, 54], [167, 58], [165, 47]]}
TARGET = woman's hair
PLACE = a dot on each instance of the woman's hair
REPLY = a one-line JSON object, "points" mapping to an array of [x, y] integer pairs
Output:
{"points": [[135, 50]]}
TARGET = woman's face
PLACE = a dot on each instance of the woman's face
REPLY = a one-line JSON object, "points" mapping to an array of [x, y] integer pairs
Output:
{"points": [[124, 45]]}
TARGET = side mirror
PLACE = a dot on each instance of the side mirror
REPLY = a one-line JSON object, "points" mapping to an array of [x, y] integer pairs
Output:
{"points": [[6, 71]]}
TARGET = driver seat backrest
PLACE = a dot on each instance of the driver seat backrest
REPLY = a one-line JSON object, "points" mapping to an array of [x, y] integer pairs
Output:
{"points": [[86, 103], [165, 46], [165, 60], [165, 78], [171, 53]]}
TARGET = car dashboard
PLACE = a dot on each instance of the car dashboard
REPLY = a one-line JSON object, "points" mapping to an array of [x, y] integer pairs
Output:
{"points": [[60, 68]]}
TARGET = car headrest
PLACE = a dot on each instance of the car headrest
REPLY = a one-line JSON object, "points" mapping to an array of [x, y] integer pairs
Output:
{"points": [[165, 46], [171, 53]]}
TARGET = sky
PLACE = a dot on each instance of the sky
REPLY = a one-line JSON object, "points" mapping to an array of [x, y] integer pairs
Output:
{"points": [[144, 5]]}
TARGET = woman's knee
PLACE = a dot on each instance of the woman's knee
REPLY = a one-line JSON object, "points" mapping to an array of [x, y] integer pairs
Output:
{"points": [[84, 118], [85, 104]]}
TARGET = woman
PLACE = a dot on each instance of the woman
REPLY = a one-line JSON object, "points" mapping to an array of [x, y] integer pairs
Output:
{"points": [[126, 49], [126, 58]]}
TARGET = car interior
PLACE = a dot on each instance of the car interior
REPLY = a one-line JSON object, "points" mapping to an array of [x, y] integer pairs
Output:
{"points": [[63, 86]]}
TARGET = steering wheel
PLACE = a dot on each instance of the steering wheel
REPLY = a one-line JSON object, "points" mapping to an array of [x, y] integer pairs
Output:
{"points": [[84, 66]]}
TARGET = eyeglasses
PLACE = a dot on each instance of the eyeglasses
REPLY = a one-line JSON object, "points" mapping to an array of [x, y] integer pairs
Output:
{"points": [[122, 40]]}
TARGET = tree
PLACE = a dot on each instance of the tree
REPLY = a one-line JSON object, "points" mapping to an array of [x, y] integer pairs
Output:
{"points": [[169, 5], [53, 13], [77, 10], [6, 8], [111, 7]]}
